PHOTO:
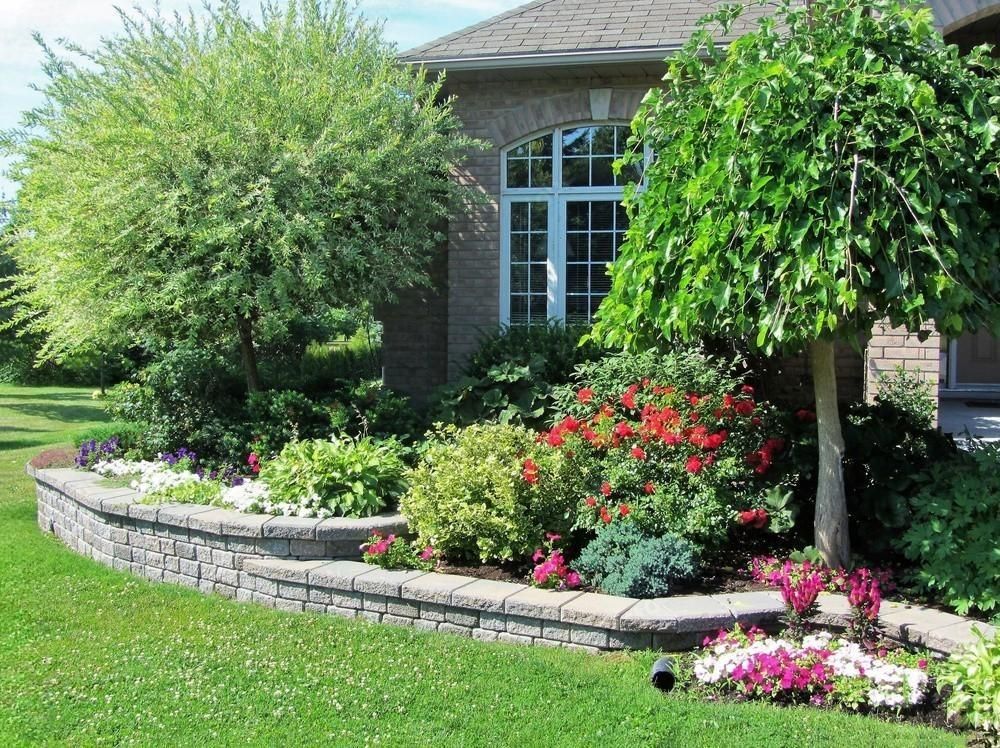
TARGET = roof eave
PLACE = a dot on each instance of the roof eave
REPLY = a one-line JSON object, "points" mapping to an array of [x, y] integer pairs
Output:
{"points": [[547, 59]]}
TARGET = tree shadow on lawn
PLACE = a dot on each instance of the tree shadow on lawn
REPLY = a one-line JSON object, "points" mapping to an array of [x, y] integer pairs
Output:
{"points": [[40, 394], [15, 444], [61, 413]]}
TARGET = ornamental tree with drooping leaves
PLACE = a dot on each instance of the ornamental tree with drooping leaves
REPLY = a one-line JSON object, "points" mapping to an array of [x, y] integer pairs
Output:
{"points": [[214, 177], [835, 167]]}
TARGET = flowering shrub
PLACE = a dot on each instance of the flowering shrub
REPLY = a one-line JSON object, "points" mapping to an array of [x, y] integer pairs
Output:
{"points": [[819, 670], [489, 493], [393, 552], [678, 461], [622, 560], [551, 571]]}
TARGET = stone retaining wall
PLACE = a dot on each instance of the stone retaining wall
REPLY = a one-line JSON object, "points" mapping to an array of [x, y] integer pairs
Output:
{"points": [[199, 546], [310, 565]]}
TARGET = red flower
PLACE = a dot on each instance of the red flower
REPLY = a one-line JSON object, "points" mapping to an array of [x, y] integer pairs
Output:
{"points": [[649, 488], [693, 399], [756, 518], [605, 515], [672, 440], [569, 424], [623, 510], [553, 439], [606, 488], [716, 440], [638, 453], [755, 421], [694, 417], [529, 472], [585, 395], [745, 407], [806, 416], [624, 430], [694, 464], [589, 434], [645, 381], [746, 389], [590, 501], [628, 397]]}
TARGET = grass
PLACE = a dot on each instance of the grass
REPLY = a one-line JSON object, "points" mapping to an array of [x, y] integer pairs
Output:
{"points": [[93, 656]]}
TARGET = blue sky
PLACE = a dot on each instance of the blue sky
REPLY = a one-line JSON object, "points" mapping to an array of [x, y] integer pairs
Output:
{"points": [[407, 22]]}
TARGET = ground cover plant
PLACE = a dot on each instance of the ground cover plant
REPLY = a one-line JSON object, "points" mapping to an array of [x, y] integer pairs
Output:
{"points": [[117, 656]]}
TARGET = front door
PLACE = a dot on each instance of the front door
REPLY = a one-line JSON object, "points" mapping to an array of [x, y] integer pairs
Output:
{"points": [[976, 361]]}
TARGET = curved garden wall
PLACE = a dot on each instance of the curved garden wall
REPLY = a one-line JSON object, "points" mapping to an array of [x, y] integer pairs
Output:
{"points": [[310, 564]]}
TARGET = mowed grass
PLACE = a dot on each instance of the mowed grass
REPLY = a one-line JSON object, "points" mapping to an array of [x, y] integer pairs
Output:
{"points": [[93, 656]]}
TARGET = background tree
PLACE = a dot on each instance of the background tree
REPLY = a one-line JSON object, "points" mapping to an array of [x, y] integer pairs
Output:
{"points": [[835, 167], [213, 177]]}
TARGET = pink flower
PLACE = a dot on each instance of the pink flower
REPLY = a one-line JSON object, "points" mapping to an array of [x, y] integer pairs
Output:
{"points": [[693, 464], [638, 453], [427, 553], [538, 555], [606, 488], [572, 580]]}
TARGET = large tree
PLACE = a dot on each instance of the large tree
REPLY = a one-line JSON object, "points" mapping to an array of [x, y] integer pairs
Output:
{"points": [[835, 167], [214, 176]]}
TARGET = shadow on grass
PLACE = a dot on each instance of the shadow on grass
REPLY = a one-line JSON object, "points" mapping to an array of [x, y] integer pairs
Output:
{"points": [[9, 445], [60, 413], [41, 395]]}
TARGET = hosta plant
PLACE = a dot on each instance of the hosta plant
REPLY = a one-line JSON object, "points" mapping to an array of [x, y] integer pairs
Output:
{"points": [[973, 674], [340, 477]]}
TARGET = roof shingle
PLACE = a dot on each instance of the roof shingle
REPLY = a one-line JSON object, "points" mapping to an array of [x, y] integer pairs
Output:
{"points": [[576, 26]]}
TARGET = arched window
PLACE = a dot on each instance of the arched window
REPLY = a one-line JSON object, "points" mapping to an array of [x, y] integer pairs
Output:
{"points": [[561, 222]]}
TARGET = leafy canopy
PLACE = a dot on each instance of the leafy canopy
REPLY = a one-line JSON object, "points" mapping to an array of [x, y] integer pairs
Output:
{"points": [[199, 169], [836, 166]]}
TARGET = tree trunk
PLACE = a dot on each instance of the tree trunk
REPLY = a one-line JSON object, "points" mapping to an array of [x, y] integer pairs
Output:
{"points": [[832, 539], [248, 354]]}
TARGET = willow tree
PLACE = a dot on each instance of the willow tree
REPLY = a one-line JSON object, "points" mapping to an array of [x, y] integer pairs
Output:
{"points": [[214, 176], [835, 167]]}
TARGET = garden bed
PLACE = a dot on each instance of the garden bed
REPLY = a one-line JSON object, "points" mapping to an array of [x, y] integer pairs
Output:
{"points": [[299, 564]]}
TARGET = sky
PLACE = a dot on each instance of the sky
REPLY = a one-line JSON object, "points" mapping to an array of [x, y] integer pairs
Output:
{"points": [[407, 22]]}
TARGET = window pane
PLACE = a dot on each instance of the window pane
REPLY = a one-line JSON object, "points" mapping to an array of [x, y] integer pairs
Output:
{"points": [[539, 309], [602, 175], [603, 143], [541, 146], [541, 172], [578, 215], [518, 247], [520, 152], [519, 216], [576, 278], [595, 301], [601, 215], [576, 172], [517, 172], [600, 281], [539, 247], [602, 247], [539, 216], [576, 142], [577, 309], [518, 310], [539, 273], [576, 248], [518, 278]]}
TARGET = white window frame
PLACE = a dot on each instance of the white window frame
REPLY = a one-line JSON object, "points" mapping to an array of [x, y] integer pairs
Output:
{"points": [[557, 197]]}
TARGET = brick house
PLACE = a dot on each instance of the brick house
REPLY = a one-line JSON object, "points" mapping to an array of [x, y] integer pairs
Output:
{"points": [[552, 85]]}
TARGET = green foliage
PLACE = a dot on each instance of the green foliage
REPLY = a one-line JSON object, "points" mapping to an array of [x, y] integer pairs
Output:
{"points": [[973, 674], [469, 500], [348, 477], [188, 397], [277, 417], [204, 492], [622, 560], [909, 393], [886, 452], [369, 408], [836, 166], [205, 170], [511, 376], [953, 534]]}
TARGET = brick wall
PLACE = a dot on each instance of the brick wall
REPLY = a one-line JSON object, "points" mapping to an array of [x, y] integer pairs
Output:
{"points": [[890, 348]]}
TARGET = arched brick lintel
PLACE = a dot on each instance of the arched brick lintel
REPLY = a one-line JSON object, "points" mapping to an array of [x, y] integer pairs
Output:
{"points": [[954, 15], [539, 115]]}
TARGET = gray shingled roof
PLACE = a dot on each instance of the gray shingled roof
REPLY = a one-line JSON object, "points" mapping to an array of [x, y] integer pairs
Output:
{"points": [[575, 26]]}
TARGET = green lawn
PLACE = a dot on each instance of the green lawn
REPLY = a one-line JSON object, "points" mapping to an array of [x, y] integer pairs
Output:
{"points": [[93, 656]]}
